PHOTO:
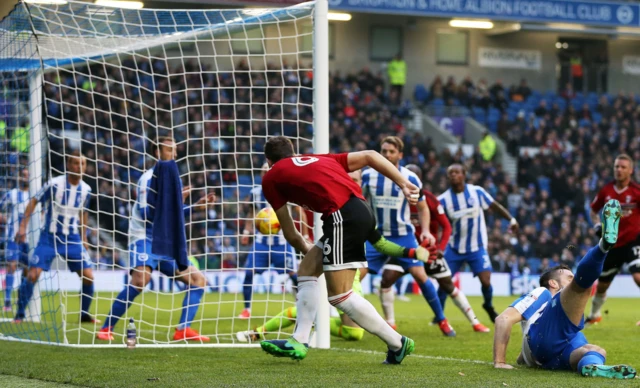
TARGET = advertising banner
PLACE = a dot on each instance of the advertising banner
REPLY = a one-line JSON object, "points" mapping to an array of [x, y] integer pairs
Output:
{"points": [[509, 58], [607, 13]]}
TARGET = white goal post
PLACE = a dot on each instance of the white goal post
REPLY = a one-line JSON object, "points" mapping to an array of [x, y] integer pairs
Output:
{"points": [[108, 82]]}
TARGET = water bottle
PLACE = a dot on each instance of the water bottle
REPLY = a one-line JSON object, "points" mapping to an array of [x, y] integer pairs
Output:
{"points": [[131, 334]]}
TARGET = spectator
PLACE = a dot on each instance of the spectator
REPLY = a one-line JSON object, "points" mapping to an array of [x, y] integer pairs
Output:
{"points": [[487, 147], [397, 71], [541, 110]]}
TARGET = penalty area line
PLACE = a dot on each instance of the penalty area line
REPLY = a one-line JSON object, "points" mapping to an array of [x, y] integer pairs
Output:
{"points": [[436, 358]]}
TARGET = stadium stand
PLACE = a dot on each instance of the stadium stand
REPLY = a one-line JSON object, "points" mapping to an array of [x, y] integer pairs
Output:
{"points": [[566, 141]]}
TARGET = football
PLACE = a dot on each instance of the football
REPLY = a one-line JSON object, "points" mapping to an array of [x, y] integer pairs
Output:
{"points": [[267, 221]]}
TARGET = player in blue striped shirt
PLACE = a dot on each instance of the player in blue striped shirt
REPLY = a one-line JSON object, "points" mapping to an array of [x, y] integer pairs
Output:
{"points": [[268, 251], [14, 203], [393, 216], [464, 205], [65, 199]]}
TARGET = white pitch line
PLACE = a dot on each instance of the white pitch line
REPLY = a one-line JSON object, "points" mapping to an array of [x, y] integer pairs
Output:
{"points": [[438, 358]]}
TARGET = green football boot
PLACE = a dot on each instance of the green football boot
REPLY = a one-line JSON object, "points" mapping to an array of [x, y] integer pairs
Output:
{"points": [[285, 348], [610, 219], [609, 371]]}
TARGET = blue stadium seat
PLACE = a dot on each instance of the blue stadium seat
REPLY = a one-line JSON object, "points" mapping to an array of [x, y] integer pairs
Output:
{"points": [[585, 123], [230, 193], [534, 264], [244, 191], [437, 102], [597, 117], [492, 124], [245, 180], [421, 93], [544, 183]]}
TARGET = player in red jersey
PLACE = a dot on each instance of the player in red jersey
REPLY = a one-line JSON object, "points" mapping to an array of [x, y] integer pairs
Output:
{"points": [[321, 183], [438, 268], [627, 249]]}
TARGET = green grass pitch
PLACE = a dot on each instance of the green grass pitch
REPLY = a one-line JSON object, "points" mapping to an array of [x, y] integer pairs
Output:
{"points": [[437, 361]]}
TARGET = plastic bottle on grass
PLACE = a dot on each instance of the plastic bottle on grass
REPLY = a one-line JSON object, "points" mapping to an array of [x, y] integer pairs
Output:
{"points": [[131, 334]]}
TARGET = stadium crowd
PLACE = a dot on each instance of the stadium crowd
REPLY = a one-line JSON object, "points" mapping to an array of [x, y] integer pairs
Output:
{"points": [[565, 143]]}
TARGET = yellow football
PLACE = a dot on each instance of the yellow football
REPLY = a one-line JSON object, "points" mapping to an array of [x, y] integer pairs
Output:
{"points": [[267, 221]]}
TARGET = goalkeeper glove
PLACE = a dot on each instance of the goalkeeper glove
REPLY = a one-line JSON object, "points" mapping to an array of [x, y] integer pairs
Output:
{"points": [[426, 254]]}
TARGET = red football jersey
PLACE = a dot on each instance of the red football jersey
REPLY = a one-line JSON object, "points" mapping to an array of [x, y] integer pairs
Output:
{"points": [[319, 183], [438, 219], [629, 198]]}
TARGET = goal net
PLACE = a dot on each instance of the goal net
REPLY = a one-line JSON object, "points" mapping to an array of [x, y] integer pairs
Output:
{"points": [[118, 86]]}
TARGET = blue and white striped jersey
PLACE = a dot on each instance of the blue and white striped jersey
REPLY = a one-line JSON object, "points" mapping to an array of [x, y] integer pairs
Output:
{"points": [[531, 307], [465, 210], [260, 202], [14, 203], [138, 222], [390, 206], [64, 203]]}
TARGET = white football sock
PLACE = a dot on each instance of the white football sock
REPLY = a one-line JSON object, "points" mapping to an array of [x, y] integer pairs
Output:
{"points": [[387, 297], [307, 305], [365, 315], [460, 300], [596, 305]]}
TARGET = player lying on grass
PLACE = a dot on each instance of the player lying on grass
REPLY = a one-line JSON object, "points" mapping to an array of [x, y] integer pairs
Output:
{"points": [[552, 315], [142, 261], [320, 183], [65, 199], [341, 326]]}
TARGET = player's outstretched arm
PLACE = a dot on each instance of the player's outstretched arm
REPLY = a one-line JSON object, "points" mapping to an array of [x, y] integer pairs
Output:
{"points": [[424, 216], [83, 228], [504, 324], [360, 159], [504, 213], [444, 223], [290, 232], [22, 232]]}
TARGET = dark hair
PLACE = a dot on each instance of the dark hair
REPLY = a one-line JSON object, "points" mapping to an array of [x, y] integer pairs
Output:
{"points": [[155, 146], [414, 169], [74, 154], [394, 141], [459, 165], [278, 147], [551, 274]]}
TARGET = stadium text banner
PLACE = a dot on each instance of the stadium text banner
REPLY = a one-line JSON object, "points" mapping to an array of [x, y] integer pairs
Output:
{"points": [[510, 58], [631, 65], [231, 282], [607, 13], [454, 125]]}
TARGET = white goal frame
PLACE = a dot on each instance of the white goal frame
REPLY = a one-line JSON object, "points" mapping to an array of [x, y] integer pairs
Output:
{"points": [[321, 338]]}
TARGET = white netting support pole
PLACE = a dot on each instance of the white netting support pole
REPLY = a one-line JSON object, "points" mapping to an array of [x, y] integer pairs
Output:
{"points": [[321, 145], [34, 309]]}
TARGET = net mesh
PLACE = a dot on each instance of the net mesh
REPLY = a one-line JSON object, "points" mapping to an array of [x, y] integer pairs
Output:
{"points": [[218, 82]]}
